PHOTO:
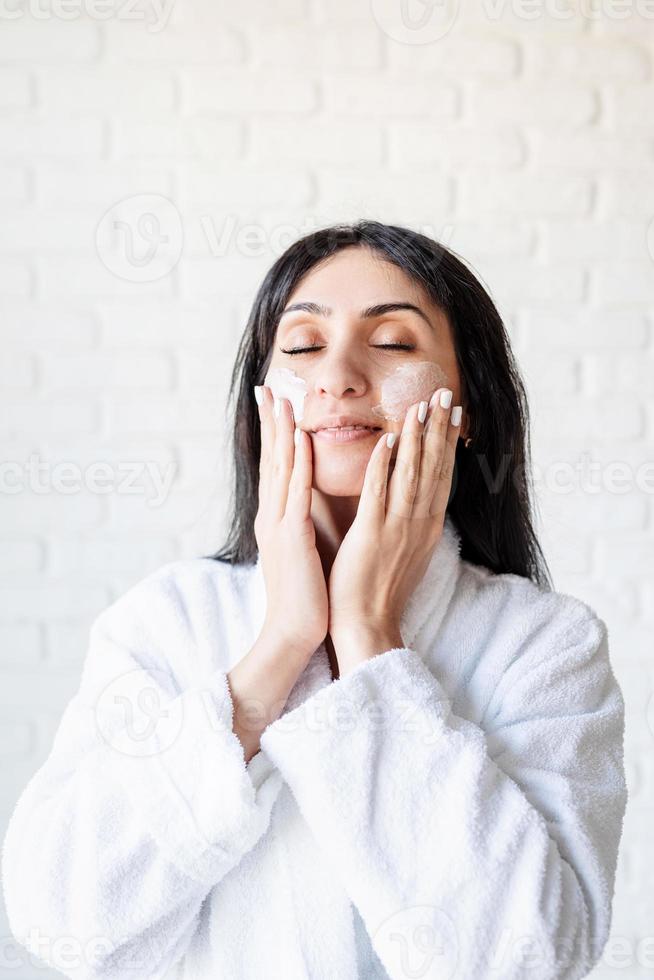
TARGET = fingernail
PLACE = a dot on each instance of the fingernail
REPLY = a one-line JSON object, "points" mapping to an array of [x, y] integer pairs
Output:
{"points": [[455, 417], [258, 394], [446, 398], [422, 411], [276, 406], [296, 436], [432, 400], [390, 439]]}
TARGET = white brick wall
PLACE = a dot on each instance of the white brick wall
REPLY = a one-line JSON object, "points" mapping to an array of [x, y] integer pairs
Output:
{"points": [[523, 135]]}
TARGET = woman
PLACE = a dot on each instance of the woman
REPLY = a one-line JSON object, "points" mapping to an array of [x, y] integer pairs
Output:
{"points": [[377, 743]]}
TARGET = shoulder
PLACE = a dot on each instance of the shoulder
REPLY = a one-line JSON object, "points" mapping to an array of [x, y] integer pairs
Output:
{"points": [[524, 642], [184, 618], [513, 639], [166, 630], [522, 607], [182, 598], [172, 585]]}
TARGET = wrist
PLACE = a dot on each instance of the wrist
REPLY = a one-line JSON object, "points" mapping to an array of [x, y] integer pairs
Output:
{"points": [[355, 643], [279, 645]]}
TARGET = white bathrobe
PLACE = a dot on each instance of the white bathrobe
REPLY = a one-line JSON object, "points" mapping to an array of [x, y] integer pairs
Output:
{"points": [[448, 809]]}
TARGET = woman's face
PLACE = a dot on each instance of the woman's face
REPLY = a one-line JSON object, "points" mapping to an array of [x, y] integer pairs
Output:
{"points": [[347, 309]]}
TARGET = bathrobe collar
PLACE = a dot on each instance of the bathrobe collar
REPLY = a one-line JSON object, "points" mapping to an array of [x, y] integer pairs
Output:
{"points": [[427, 604], [432, 595]]}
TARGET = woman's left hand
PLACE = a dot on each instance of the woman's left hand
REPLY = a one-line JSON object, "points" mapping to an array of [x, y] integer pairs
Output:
{"points": [[387, 549]]}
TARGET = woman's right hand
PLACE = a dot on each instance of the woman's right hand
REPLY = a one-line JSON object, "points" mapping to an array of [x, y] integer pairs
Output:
{"points": [[297, 602]]}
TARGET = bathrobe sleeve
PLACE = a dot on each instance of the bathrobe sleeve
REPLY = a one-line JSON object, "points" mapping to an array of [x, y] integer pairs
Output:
{"points": [[477, 850], [143, 804]]}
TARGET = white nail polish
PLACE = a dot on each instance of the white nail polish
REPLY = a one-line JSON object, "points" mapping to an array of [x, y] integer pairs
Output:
{"points": [[422, 411], [390, 439], [446, 399], [258, 394], [296, 436], [455, 417], [276, 406]]}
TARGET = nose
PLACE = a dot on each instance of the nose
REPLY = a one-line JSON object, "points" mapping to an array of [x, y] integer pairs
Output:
{"points": [[339, 375]]}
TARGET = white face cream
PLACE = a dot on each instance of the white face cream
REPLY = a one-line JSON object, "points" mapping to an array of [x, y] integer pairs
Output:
{"points": [[408, 384], [285, 383]]}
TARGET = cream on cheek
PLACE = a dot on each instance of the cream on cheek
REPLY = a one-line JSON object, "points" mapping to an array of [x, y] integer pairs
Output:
{"points": [[285, 383], [408, 384]]}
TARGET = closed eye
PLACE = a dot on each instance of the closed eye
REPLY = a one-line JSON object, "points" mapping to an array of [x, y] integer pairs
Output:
{"points": [[304, 350]]}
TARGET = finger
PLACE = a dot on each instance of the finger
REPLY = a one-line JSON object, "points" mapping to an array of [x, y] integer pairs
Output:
{"points": [[433, 451], [282, 458], [404, 481], [372, 502], [443, 487], [267, 425], [299, 487]]}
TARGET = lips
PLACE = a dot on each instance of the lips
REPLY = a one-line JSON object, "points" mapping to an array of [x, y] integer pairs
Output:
{"points": [[346, 428], [345, 435], [345, 422]]}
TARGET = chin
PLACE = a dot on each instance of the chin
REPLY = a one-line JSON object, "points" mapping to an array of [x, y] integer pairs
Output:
{"points": [[340, 473], [339, 478]]}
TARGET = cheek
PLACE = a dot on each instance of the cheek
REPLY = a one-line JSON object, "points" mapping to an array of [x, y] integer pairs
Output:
{"points": [[407, 385], [285, 383]]}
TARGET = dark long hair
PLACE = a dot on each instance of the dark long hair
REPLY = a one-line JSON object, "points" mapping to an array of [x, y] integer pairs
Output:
{"points": [[490, 503]]}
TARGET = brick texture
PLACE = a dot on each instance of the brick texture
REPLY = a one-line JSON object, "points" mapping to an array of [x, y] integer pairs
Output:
{"points": [[522, 134]]}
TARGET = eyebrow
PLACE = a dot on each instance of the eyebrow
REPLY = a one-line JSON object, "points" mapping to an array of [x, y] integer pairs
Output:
{"points": [[370, 312]]}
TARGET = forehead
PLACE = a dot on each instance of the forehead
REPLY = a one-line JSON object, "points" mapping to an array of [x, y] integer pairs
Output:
{"points": [[354, 278]]}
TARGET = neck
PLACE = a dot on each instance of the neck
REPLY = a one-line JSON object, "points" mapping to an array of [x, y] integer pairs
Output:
{"points": [[332, 518]]}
